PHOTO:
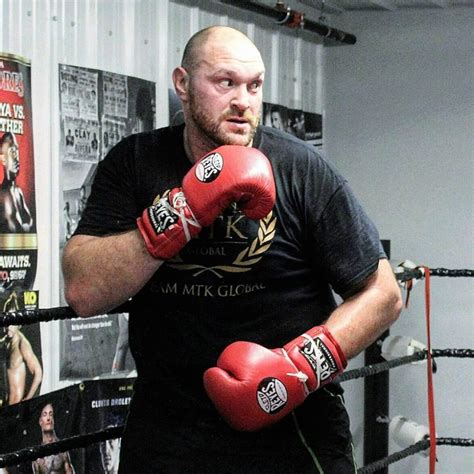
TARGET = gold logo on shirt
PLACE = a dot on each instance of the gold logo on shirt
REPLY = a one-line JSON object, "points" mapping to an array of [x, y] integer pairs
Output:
{"points": [[244, 261]]}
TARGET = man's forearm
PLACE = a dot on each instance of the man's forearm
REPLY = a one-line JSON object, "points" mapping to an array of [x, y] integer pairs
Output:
{"points": [[100, 273], [360, 319]]}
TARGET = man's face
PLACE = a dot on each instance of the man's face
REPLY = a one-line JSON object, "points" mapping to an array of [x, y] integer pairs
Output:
{"points": [[46, 420], [12, 330], [276, 120], [225, 92], [12, 158], [110, 452]]}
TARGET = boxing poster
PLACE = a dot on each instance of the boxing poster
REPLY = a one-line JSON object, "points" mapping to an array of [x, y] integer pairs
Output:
{"points": [[80, 409], [21, 366], [18, 239], [307, 126], [20, 348], [97, 110]]}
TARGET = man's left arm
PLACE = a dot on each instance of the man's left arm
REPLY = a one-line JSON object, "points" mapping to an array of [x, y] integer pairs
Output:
{"points": [[33, 365], [365, 315], [253, 386]]}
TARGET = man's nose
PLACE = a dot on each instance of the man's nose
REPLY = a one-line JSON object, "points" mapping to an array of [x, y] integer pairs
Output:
{"points": [[241, 99]]}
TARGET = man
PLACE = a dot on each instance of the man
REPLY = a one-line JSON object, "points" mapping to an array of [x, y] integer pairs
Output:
{"points": [[276, 120], [14, 213], [20, 358], [56, 463], [259, 272], [110, 455]]}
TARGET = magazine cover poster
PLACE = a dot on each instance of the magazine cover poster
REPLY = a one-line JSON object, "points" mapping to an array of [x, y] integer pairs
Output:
{"points": [[98, 109]]}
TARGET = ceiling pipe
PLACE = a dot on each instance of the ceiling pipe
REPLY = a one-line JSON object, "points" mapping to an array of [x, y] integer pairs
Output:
{"points": [[293, 19]]}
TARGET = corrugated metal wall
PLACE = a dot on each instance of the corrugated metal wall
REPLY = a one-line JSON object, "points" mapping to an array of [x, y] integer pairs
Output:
{"points": [[143, 38]]}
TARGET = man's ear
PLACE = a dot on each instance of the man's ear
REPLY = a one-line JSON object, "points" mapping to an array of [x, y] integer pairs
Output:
{"points": [[181, 83]]}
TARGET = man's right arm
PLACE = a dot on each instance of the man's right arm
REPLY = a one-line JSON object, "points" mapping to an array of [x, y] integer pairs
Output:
{"points": [[100, 273]]}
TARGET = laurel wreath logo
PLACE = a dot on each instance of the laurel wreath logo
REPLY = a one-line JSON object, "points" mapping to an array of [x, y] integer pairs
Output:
{"points": [[245, 259]]}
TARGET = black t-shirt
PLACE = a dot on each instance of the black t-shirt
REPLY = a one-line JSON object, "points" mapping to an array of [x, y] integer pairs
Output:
{"points": [[264, 281]]}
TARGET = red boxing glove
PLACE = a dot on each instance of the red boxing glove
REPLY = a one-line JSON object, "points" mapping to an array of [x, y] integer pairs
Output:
{"points": [[230, 173], [253, 387]]}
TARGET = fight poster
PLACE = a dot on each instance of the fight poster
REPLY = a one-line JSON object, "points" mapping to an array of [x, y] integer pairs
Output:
{"points": [[307, 126], [80, 409], [21, 366], [97, 110], [18, 239], [20, 348]]}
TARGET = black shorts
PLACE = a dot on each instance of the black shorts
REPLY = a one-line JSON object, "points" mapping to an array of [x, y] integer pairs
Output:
{"points": [[315, 438]]}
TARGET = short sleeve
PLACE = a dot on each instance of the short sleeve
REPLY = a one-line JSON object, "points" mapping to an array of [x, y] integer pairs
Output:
{"points": [[112, 205], [348, 244]]}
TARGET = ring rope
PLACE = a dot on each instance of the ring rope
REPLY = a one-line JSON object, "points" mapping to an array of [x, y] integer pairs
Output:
{"points": [[74, 442], [386, 365], [20, 318], [408, 274], [81, 441], [422, 445]]}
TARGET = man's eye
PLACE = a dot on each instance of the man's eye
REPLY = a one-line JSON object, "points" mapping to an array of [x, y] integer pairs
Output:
{"points": [[226, 82], [254, 86]]}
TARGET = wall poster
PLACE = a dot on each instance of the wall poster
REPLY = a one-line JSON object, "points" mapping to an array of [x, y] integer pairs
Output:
{"points": [[20, 347], [97, 110]]}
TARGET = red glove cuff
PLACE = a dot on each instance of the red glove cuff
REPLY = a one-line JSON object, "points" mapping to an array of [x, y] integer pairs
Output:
{"points": [[317, 354]]}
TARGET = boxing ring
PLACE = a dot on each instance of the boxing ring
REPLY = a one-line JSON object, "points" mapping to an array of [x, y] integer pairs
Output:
{"points": [[396, 350]]}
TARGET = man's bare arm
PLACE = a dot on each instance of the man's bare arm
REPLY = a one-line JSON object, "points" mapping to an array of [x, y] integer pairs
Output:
{"points": [[33, 365], [363, 317], [100, 273], [68, 467]]}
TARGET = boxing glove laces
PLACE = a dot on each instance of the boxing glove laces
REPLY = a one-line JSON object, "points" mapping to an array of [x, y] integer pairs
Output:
{"points": [[253, 387], [230, 173]]}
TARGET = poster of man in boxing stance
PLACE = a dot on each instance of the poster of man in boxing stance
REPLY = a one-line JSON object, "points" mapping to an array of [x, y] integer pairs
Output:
{"points": [[18, 238]]}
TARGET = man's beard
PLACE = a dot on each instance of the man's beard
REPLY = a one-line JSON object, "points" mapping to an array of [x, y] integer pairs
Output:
{"points": [[211, 127]]}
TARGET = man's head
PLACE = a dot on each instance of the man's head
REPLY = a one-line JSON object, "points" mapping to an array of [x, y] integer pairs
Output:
{"points": [[9, 156], [110, 455], [276, 120], [220, 83], [12, 331], [46, 419]]}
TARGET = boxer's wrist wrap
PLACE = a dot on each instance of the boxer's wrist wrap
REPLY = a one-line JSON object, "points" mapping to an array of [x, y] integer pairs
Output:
{"points": [[164, 214], [168, 225], [321, 352]]}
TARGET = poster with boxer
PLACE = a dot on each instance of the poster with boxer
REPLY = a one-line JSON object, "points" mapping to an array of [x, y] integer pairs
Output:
{"points": [[42, 420], [77, 410], [97, 110], [21, 366], [18, 238], [307, 126]]}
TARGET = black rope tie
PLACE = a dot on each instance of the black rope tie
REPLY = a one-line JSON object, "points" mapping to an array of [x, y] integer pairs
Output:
{"points": [[407, 274], [390, 364], [411, 450]]}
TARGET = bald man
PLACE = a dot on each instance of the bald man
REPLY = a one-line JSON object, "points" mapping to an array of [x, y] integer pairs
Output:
{"points": [[15, 215], [55, 463], [229, 238]]}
